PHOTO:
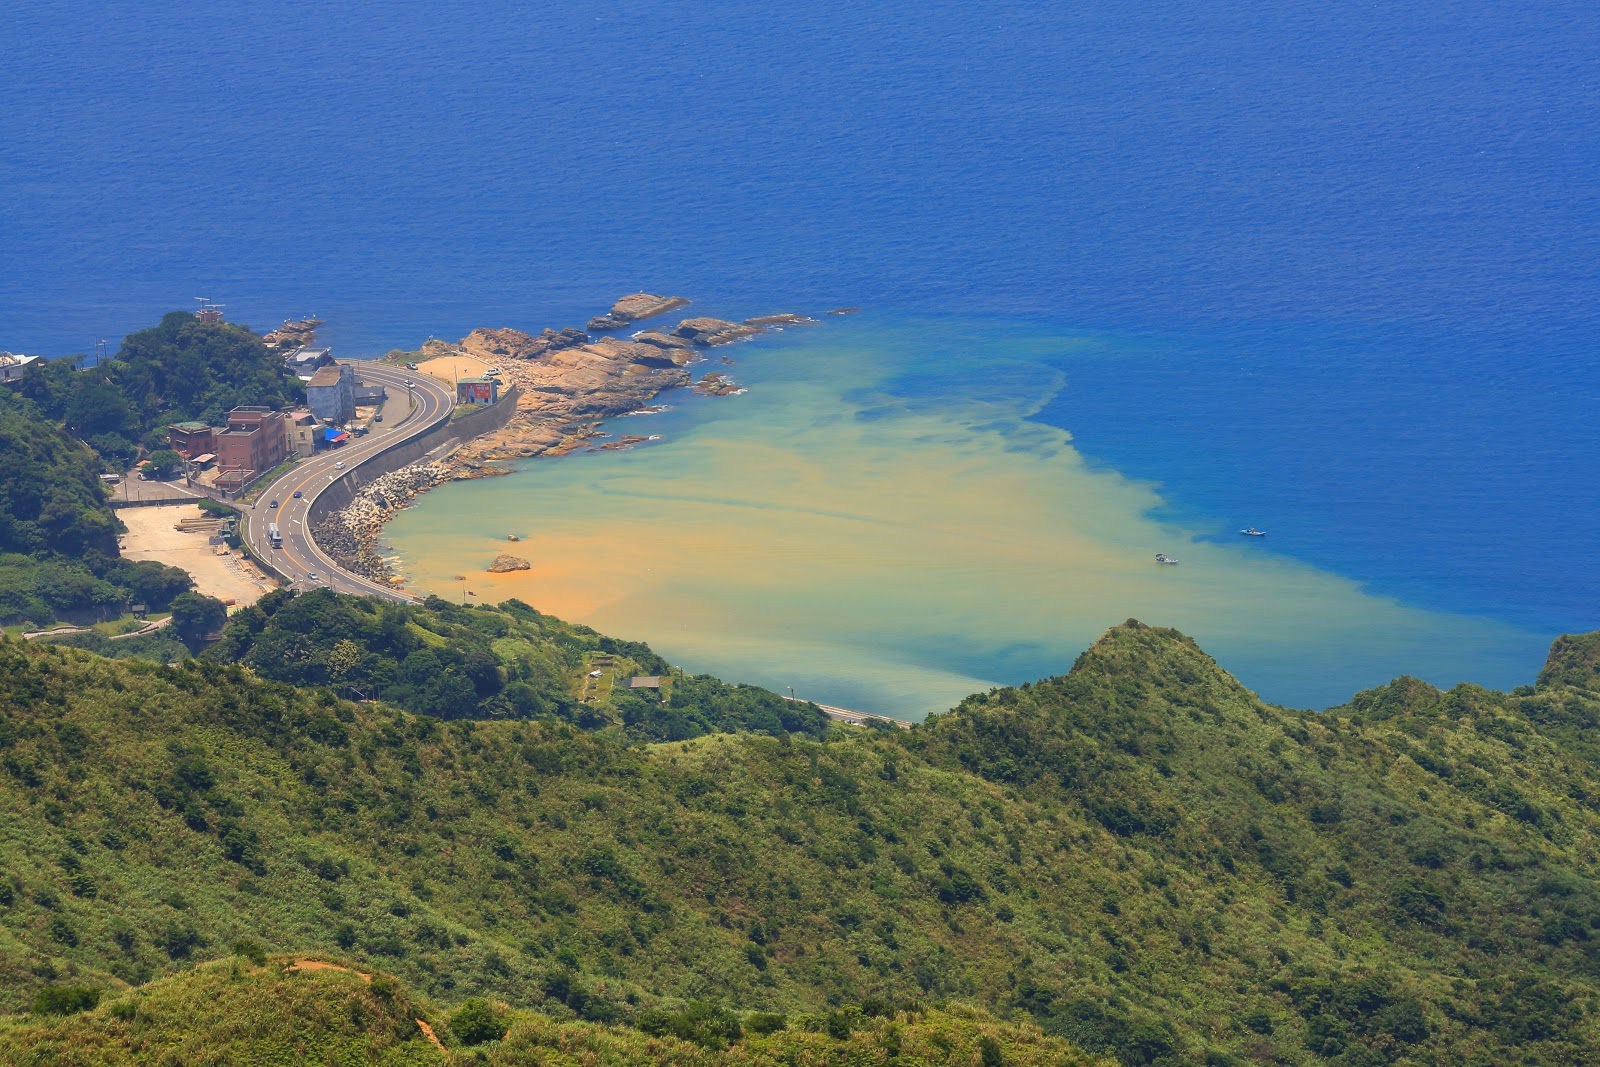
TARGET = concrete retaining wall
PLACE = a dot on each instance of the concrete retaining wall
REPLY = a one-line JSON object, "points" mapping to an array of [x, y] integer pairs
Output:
{"points": [[455, 431]]}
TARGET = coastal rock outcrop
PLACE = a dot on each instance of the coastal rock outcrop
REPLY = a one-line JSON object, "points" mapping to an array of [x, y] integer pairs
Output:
{"points": [[292, 333], [707, 332], [496, 345], [565, 383], [786, 319], [716, 384], [661, 340], [504, 563], [638, 306]]}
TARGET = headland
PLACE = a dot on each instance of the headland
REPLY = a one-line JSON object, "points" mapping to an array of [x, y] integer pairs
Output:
{"points": [[564, 382]]}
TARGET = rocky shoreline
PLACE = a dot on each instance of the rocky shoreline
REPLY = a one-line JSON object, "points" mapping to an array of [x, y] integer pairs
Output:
{"points": [[567, 383]]}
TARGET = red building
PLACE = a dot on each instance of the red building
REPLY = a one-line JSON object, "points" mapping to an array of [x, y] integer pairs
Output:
{"points": [[256, 440], [191, 440]]}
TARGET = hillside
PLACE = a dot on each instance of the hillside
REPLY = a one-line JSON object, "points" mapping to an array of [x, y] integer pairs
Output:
{"points": [[58, 539], [288, 1010], [453, 662], [179, 369], [1138, 856]]}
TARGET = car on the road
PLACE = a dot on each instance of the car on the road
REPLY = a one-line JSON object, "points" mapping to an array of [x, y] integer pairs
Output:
{"points": [[297, 494], [313, 576], [273, 504], [378, 417], [339, 466]]}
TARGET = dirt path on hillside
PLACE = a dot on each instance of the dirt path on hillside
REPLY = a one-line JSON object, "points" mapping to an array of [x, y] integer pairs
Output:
{"points": [[323, 965]]}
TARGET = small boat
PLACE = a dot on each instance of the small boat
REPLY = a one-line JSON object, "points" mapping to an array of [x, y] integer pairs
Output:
{"points": [[1162, 557], [1253, 532]]}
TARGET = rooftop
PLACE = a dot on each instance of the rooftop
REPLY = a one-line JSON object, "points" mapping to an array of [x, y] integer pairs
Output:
{"points": [[327, 376], [189, 427]]}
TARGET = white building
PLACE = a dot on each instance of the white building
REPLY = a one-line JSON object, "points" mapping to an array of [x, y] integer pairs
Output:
{"points": [[12, 366]]}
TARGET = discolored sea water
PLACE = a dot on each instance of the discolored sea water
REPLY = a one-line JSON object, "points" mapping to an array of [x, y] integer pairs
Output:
{"points": [[883, 522], [1136, 276]]}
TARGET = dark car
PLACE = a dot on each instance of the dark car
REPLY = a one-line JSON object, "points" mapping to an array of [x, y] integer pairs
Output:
{"points": [[273, 504], [297, 494]]}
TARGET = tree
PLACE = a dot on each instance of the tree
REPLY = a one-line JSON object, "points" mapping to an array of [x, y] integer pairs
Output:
{"points": [[164, 462], [476, 1021], [195, 615]]}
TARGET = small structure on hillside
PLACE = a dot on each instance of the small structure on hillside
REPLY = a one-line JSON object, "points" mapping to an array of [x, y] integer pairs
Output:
{"points": [[652, 681], [12, 366]]}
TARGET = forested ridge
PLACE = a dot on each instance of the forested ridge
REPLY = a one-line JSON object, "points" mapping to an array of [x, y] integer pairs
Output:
{"points": [[58, 539], [1138, 857], [511, 661], [177, 370]]}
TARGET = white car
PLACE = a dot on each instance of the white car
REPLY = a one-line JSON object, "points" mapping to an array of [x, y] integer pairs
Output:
{"points": [[339, 466], [313, 577]]}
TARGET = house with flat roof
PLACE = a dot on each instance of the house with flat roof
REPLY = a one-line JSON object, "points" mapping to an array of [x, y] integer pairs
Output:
{"points": [[190, 439], [305, 362], [254, 442], [331, 394], [12, 366], [301, 427]]}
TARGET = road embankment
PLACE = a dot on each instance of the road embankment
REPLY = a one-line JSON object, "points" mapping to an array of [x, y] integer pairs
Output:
{"points": [[351, 544]]}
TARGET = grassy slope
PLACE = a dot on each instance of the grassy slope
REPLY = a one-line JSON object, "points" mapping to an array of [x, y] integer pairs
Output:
{"points": [[1139, 854], [276, 1013]]}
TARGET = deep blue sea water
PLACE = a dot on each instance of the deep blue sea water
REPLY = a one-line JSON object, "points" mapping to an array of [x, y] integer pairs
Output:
{"points": [[1338, 265]]}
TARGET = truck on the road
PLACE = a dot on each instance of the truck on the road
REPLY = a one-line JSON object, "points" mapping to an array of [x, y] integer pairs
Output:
{"points": [[274, 536]]}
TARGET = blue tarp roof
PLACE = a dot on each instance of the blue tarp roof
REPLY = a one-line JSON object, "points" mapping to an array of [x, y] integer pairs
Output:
{"points": [[333, 433]]}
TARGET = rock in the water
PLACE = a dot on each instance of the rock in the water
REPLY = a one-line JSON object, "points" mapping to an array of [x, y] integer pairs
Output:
{"points": [[645, 305], [779, 320], [512, 537], [601, 323], [706, 332], [716, 384], [844, 311], [503, 563]]}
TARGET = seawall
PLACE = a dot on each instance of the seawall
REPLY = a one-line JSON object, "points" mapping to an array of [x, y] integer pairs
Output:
{"points": [[343, 489]]}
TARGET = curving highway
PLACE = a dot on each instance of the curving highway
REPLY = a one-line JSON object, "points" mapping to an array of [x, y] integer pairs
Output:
{"points": [[300, 558]]}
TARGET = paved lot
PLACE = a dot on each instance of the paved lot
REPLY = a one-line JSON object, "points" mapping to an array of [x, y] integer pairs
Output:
{"points": [[151, 535]]}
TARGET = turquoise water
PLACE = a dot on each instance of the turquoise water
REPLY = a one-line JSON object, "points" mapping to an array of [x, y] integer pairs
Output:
{"points": [[892, 548]]}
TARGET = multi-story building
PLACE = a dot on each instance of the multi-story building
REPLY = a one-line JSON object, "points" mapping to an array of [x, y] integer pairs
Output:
{"points": [[191, 440], [331, 394], [254, 441], [302, 429]]}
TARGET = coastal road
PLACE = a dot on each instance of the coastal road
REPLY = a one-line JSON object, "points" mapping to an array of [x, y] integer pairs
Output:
{"points": [[300, 557]]}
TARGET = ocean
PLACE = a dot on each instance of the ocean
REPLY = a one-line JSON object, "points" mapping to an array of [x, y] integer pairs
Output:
{"points": [[1181, 268]]}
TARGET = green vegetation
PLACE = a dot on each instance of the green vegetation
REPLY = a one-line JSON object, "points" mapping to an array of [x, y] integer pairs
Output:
{"points": [[511, 662], [1138, 857], [278, 1010], [180, 369], [58, 539]]}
